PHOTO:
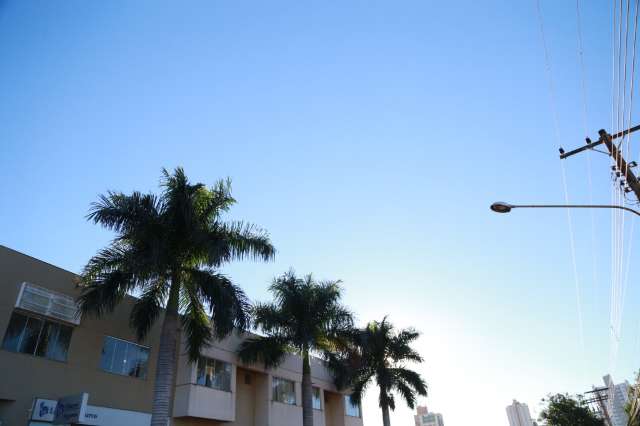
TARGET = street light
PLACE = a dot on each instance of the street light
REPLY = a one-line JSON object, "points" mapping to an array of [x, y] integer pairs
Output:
{"points": [[502, 207]]}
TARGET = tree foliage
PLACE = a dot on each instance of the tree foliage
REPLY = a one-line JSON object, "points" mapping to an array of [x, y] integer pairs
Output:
{"points": [[175, 240], [306, 316], [633, 406], [565, 410], [379, 353]]}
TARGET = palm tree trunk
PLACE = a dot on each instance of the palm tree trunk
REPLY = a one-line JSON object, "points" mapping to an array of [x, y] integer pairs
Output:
{"points": [[386, 421], [307, 391], [165, 369]]}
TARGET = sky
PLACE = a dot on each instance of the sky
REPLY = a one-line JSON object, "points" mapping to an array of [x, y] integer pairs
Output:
{"points": [[369, 139]]}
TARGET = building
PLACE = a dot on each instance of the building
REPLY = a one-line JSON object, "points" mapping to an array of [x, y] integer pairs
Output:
{"points": [[424, 418], [617, 398], [47, 353], [518, 414]]}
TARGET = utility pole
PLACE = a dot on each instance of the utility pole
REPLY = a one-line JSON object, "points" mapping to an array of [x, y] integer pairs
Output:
{"points": [[598, 397], [622, 167]]}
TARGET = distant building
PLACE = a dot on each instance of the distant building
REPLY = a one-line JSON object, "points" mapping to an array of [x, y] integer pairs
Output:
{"points": [[518, 414], [424, 418], [617, 398]]}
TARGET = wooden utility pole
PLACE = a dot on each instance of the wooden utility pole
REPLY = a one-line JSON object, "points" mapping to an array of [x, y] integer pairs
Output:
{"points": [[598, 397], [623, 168]]}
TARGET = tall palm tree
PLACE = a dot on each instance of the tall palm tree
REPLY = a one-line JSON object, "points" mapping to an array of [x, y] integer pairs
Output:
{"points": [[168, 249], [632, 407], [306, 317], [379, 352]]}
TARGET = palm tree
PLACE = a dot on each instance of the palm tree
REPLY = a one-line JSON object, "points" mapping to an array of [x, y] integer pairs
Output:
{"points": [[380, 352], [632, 407], [168, 249], [306, 317]]}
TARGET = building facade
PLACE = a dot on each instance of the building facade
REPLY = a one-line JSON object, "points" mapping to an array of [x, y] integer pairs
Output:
{"points": [[617, 398], [48, 353], [424, 418], [518, 414]]}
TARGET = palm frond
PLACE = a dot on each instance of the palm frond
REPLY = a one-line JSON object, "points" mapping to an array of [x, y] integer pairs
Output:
{"points": [[399, 349], [411, 379], [407, 393], [245, 240], [219, 199], [195, 322], [122, 213], [147, 309], [360, 381], [227, 303], [270, 350], [108, 259], [378, 351], [104, 291], [269, 318], [386, 398]]}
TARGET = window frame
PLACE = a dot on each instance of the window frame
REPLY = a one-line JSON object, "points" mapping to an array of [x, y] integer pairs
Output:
{"points": [[315, 389], [127, 342], [215, 362], [347, 404], [44, 327], [274, 381]]}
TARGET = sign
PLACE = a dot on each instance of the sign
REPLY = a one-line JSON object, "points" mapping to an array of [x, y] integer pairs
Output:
{"points": [[71, 409], [44, 411], [104, 416]]}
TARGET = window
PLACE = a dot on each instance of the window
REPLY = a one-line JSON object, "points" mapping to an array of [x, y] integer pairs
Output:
{"points": [[284, 391], [125, 358], [36, 336], [352, 410], [214, 373], [317, 405]]}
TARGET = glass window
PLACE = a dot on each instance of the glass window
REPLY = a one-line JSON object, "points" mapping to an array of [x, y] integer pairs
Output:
{"points": [[30, 335], [317, 405], [14, 332], [35, 336], [352, 410], [214, 373], [284, 391], [125, 358]]}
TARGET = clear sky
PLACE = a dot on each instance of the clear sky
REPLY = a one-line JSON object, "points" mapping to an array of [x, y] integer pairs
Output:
{"points": [[369, 138]]}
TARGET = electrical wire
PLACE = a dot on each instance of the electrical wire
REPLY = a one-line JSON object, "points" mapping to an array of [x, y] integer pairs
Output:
{"points": [[554, 112], [585, 123]]}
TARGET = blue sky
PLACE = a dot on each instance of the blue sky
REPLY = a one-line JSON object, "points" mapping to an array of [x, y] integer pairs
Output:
{"points": [[368, 138]]}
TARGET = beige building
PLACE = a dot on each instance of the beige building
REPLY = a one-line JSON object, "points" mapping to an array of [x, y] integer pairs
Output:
{"points": [[425, 418], [47, 353]]}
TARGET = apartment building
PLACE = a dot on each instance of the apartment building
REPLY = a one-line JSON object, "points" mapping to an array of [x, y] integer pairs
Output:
{"points": [[518, 414], [48, 355], [617, 399], [424, 417]]}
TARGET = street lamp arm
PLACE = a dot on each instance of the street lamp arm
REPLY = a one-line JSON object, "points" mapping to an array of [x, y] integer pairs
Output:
{"points": [[500, 207]]}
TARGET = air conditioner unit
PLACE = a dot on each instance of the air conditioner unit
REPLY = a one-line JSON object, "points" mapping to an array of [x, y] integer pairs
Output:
{"points": [[48, 303]]}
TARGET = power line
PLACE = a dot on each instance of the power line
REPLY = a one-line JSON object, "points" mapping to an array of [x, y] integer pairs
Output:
{"points": [[554, 112]]}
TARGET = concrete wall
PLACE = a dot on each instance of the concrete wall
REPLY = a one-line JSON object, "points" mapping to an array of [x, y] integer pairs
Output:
{"points": [[262, 408], [25, 377]]}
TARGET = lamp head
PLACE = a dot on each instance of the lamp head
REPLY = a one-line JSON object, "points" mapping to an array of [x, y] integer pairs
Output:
{"points": [[501, 207]]}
